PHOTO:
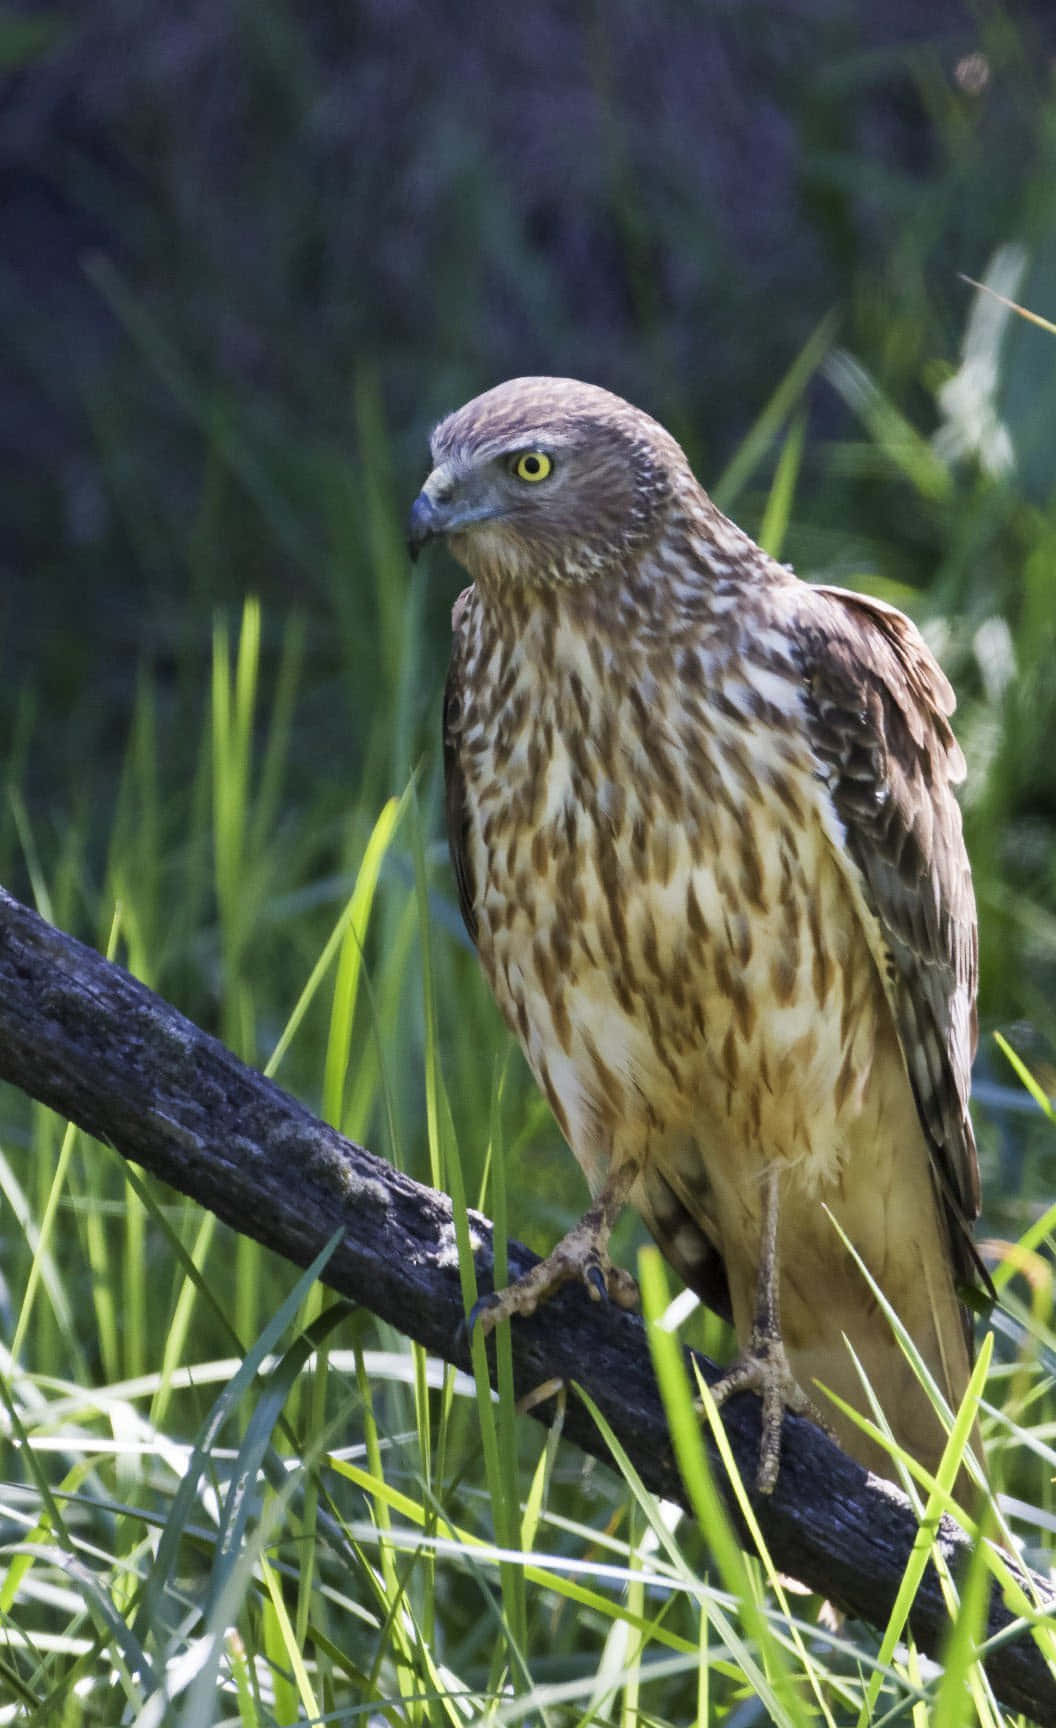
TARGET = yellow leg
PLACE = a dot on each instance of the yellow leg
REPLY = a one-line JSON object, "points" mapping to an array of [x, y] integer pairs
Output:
{"points": [[583, 1254], [763, 1367]]}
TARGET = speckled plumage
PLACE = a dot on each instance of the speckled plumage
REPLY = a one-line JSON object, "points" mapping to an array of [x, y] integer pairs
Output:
{"points": [[704, 834]]}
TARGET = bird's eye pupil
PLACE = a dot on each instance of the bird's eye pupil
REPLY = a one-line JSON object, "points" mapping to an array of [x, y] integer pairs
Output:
{"points": [[532, 465]]}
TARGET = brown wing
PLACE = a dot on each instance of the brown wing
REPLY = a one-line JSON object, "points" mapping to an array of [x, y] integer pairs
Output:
{"points": [[454, 779], [878, 708]]}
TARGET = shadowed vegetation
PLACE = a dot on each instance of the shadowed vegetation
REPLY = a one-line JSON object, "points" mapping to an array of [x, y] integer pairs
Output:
{"points": [[249, 254]]}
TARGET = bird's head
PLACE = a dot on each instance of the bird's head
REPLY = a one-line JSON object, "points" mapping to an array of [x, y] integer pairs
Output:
{"points": [[546, 481]]}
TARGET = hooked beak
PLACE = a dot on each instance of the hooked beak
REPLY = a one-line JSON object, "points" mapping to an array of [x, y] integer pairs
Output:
{"points": [[446, 507], [425, 522]]}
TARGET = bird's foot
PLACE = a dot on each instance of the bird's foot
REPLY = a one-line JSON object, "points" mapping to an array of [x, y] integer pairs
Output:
{"points": [[582, 1254], [764, 1368]]}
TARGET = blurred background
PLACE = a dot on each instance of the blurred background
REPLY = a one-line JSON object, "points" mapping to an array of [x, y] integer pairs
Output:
{"points": [[250, 251]]}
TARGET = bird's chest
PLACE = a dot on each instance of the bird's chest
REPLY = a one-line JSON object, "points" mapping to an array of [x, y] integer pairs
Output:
{"points": [[659, 914]]}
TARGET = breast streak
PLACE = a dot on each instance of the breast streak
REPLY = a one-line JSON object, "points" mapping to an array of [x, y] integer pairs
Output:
{"points": [[666, 928]]}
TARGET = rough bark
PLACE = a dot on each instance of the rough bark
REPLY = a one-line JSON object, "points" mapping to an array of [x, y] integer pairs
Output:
{"points": [[85, 1038]]}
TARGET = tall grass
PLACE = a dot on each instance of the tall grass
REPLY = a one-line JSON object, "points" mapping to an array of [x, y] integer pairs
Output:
{"points": [[227, 1498]]}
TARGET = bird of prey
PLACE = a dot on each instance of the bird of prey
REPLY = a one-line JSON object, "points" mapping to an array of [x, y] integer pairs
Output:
{"points": [[703, 829]]}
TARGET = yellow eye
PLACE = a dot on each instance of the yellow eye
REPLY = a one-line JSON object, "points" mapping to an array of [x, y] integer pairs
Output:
{"points": [[532, 465]]}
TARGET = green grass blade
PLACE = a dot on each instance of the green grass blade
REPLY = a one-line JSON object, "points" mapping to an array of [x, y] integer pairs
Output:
{"points": [[350, 960], [163, 1568], [736, 475], [778, 513], [257, 1439], [773, 1680], [909, 453], [1036, 1090]]}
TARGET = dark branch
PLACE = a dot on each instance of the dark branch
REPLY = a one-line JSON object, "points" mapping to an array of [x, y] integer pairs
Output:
{"points": [[85, 1038]]}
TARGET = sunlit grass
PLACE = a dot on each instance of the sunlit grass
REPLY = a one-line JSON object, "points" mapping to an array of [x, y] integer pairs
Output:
{"points": [[229, 1499], [314, 1523]]}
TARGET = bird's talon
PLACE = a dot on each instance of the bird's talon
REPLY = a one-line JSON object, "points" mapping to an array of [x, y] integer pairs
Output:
{"points": [[595, 1281], [764, 1369], [766, 1475]]}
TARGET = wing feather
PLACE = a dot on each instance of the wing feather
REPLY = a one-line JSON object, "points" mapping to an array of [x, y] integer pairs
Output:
{"points": [[878, 713], [457, 808]]}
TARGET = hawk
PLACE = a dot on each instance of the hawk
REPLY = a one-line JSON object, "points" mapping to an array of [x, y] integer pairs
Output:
{"points": [[705, 839]]}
